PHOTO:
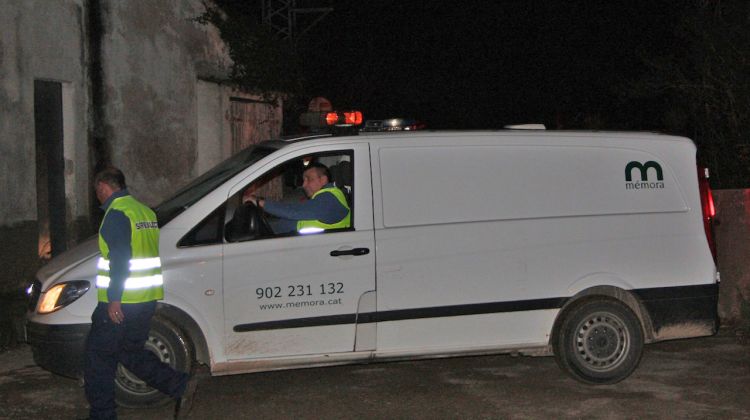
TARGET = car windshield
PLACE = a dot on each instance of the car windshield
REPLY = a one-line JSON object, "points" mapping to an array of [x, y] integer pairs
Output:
{"points": [[206, 183]]}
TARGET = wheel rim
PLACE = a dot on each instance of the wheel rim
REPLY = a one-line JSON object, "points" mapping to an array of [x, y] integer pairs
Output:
{"points": [[602, 341], [131, 383]]}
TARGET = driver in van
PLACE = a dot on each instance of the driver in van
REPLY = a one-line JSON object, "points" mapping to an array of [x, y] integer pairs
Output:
{"points": [[325, 209]]}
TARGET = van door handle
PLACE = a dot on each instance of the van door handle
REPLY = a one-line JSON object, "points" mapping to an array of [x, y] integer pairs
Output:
{"points": [[355, 251]]}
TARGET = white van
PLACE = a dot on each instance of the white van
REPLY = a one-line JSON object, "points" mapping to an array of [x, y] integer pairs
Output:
{"points": [[578, 244]]}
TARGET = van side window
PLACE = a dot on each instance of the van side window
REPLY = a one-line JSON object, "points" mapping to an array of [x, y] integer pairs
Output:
{"points": [[207, 232], [307, 195]]}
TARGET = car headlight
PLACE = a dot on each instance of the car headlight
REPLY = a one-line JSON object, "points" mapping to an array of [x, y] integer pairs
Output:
{"points": [[61, 295]]}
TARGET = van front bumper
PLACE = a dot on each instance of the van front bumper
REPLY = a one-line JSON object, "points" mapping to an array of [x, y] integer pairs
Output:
{"points": [[58, 348]]}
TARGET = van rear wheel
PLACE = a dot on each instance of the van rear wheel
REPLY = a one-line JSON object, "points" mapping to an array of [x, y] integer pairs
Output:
{"points": [[171, 346], [599, 342]]}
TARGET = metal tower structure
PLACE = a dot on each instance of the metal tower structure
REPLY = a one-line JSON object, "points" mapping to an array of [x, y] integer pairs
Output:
{"points": [[289, 20]]}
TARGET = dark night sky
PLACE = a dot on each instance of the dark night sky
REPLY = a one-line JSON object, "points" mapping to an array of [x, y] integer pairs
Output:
{"points": [[483, 64]]}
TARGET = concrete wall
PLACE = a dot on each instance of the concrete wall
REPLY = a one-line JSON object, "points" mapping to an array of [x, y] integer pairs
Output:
{"points": [[39, 40], [733, 239], [158, 111], [153, 57]]}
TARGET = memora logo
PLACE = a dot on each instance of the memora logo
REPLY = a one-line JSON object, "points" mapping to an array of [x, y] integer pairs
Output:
{"points": [[643, 169]]}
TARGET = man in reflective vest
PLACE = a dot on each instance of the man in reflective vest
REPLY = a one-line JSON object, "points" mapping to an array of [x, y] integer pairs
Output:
{"points": [[129, 283], [326, 209]]}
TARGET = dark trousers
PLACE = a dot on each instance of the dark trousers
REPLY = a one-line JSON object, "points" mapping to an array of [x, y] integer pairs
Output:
{"points": [[109, 343]]}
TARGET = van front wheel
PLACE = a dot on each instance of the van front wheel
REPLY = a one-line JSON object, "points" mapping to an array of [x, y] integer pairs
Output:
{"points": [[599, 342], [171, 346]]}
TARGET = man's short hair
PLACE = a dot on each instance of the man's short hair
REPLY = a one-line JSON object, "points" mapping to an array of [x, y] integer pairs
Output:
{"points": [[320, 169], [112, 177]]}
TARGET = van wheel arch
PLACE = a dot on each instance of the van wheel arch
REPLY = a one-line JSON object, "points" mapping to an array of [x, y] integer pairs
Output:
{"points": [[170, 344], [186, 323], [605, 292]]}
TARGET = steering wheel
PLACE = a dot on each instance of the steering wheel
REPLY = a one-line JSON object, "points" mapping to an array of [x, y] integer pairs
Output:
{"points": [[257, 222]]}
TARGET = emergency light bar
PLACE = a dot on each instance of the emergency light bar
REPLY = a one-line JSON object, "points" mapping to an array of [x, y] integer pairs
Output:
{"points": [[331, 119], [394, 124]]}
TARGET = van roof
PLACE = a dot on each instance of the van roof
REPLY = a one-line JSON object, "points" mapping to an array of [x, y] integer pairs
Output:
{"points": [[415, 137]]}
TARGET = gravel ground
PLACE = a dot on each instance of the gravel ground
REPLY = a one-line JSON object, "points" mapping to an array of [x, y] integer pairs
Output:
{"points": [[688, 379]]}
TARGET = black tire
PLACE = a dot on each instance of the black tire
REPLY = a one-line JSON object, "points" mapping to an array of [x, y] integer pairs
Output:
{"points": [[599, 342], [171, 346]]}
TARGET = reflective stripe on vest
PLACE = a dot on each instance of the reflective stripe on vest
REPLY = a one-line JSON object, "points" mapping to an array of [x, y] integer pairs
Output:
{"points": [[144, 282], [133, 283], [316, 226], [135, 264], [144, 273]]}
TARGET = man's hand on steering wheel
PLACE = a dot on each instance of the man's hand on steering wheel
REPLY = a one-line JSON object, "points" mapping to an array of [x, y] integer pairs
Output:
{"points": [[251, 198]]}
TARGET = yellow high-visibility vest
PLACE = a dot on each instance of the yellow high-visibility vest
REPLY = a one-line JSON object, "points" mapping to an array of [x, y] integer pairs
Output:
{"points": [[144, 282], [312, 226]]}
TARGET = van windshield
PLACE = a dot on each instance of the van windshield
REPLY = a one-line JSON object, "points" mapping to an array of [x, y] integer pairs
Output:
{"points": [[206, 183]]}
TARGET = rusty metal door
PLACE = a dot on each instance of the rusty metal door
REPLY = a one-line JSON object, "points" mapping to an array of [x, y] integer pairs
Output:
{"points": [[252, 122]]}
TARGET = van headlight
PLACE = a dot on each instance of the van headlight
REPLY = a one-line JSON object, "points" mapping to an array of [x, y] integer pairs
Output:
{"points": [[61, 295]]}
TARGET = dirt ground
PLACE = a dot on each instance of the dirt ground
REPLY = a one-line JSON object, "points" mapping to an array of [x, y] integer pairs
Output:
{"points": [[706, 378]]}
